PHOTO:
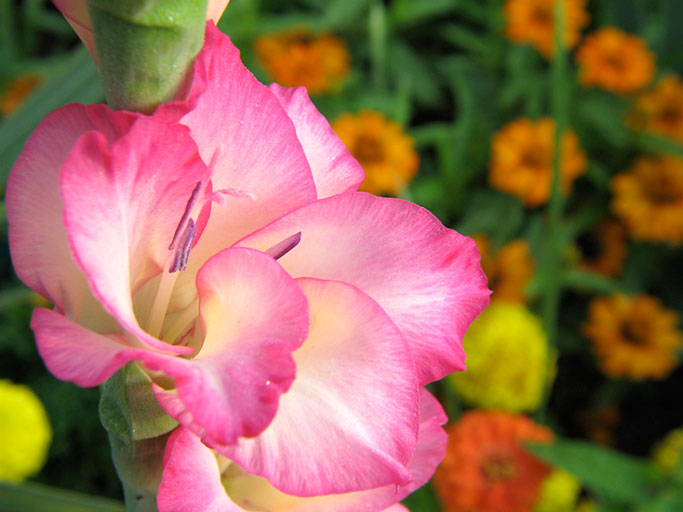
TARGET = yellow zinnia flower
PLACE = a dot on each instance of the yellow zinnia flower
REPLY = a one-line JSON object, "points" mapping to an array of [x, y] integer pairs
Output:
{"points": [[384, 151], [532, 21], [649, 199], [25, 432], [300, 58], [522, 158], [559, 493], [507, 360], [668, 452], [616, 61], [634, 337]]}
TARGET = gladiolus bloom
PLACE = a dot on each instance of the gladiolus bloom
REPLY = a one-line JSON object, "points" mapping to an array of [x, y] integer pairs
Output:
{"points": [[286, 320]]}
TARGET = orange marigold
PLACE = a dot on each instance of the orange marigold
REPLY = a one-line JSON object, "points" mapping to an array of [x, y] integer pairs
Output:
{"points": [[634, 337], [386, 153], [660, 110], [649, 199], [486, 468], [509, 269], [616, 61], [603, 249], [300, 58], [532, 21], [522, 159], [16, 91]]}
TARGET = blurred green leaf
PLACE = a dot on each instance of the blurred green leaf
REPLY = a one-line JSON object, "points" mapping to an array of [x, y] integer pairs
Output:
{"points": [[423, 500], [404, 13], [587, 281], [496, 214], [31, 497], [617, 476], [76, 80]]}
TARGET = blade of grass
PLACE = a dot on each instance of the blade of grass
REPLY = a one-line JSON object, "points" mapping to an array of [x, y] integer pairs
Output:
{"points": [[31, 497]]}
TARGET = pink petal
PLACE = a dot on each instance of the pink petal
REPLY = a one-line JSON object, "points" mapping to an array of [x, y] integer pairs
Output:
{"points": [[245, 135], [76, 354], [253, 316], [215, 9], [350, 420], [425, 276], [334, 169], [76, 13], [191, 480], [192, 477], [122, 205], [38, 240]]}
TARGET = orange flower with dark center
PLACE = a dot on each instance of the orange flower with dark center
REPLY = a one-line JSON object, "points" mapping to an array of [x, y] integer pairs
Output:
{"points": [[603, 249], [522, 159], [384, 151], [300, 58], [532, 21], [649, 199], [509, 269], [616, 61], [486, 468], [16, 91], [634, 337], [660, 110]]}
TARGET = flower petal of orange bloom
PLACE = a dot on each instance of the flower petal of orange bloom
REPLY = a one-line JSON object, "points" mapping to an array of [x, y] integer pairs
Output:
{"points": [[486, 468], [660, 110], [616, 61]]}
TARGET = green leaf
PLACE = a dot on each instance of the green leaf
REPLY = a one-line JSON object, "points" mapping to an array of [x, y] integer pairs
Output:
{"points": [[604, 471], [585, 280], [31, 497], [75, 80], [423, 500], [493, 213], [128, 408]]}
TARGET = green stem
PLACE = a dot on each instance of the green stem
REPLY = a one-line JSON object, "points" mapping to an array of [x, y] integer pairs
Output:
{"points": [[377, 27], [553, 243]]}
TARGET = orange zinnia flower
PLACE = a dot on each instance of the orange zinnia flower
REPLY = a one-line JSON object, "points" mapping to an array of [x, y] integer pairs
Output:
{"points": [[532, 21], [16, 92], [616, 61], [649, 199], [386, 153], [633, 337], [522, 158], [299, 58], [486, 468], [604, 248], [660, 110], [509, 269]]}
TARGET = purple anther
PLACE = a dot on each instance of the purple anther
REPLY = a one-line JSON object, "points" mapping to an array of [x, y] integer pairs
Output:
{"points": [[182, 253], [186, 214], [282, 248]]}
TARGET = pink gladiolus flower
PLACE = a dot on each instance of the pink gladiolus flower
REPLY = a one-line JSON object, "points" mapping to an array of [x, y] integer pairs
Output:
{"points": [[286, 320]]}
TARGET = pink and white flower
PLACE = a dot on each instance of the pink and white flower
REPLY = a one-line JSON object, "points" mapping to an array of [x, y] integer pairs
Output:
{"points": [[287, 321]]}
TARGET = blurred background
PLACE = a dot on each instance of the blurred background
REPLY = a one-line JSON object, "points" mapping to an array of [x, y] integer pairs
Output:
{"points": [[573, 399]]}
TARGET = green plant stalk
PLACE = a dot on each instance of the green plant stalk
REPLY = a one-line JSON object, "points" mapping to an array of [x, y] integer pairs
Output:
{"points": [[553, 240], [377, 28]]}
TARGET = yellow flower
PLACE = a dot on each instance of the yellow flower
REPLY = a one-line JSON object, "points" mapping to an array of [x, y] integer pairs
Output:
{"points": [[532, 21], [668, 452], [24, 430], [616, 61], [649, 199], [633, 337], [507, 360], [559, 493], [300, 58], [603, 248], [522, 156], [15, 92], [660, 110], [386, 153], [508, 270]]}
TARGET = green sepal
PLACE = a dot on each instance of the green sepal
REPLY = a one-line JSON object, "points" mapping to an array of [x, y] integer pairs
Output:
{"points": [[128, 408], [145, 48]]}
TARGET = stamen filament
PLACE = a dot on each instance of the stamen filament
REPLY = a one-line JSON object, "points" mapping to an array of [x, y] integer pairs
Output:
{"points": [[161, 301], [181, 323]]}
